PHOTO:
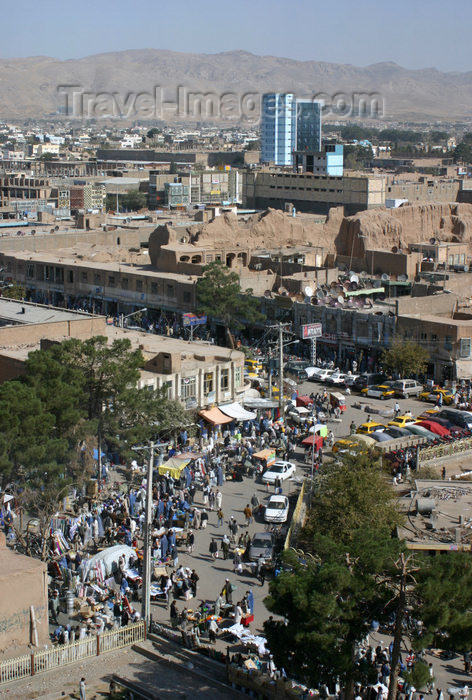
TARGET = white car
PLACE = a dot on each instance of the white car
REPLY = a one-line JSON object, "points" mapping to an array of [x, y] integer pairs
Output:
{"points": [[279, 470], [337, 378], [276, 511], [300, 415], [322, 375], [313, 372]]}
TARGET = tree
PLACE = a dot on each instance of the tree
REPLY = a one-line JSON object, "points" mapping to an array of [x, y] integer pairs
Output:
{"points": [[30, 450], [463, 153], [338, 585], [219, 296], [352, 494], [406, 358], [14, 291], [357, 156], [328, 602], [133, 200]]}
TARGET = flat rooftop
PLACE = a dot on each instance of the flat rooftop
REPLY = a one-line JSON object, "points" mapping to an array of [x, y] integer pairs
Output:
{"points": [[445, 526], [11, 312]]}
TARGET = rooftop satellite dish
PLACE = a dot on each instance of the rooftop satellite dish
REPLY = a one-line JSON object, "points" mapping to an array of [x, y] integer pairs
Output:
{"points": [[340, 299], [308, 292], [394, 249], [376, 284], [385, 277], [283, 291], [319, 294], [354, 278], [432, 241]]}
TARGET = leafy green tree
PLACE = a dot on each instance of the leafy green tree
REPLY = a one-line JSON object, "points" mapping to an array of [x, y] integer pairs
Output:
{"points": [[406, 358], [133, 200], [353, 493], [14, 291], [219, 296], [463, 152], [31, 451], [356, 157], [328, 602]]}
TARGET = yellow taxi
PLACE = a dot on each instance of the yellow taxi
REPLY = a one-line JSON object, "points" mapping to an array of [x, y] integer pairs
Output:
{"points": [[253, 366], [447, 396], [401, 421], [369, 428], [379, 391]]}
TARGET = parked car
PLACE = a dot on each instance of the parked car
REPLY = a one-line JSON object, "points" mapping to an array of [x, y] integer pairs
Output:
{"points": [[378, 391], [262, 544], [298, 374], [279, 469], [300, 415], [368, 379], [396, 432], [370, 427], [350, 379], [407, 387], [276, 511], [323, 374], [461, 418], [402, 421], [447, 396], [337, 378]]}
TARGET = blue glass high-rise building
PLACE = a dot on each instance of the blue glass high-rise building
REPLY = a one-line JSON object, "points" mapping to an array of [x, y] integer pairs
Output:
{"points": [[278, 128], [308, 125]]}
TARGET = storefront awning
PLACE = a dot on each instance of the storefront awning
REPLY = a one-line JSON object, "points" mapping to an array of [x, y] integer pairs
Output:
{"points": [[237, 412], [215, 416]]}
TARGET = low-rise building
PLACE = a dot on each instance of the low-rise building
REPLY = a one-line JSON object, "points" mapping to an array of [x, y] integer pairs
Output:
{"points": [[198, 374]]}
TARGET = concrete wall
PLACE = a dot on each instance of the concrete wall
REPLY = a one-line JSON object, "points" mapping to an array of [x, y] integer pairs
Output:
{"points": [[23, 583], [53, 241], [32, 334]]}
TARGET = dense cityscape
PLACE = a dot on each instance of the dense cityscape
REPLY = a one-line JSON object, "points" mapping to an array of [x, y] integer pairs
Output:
{"points": [[235, 363]]}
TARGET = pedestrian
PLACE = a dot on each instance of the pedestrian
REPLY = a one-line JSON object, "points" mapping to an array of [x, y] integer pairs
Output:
{"points": [[277, 485], [467, 658], [212, 631], [218, 499], [260, 571], [220, 516], [443, 473], [82, 692], [213, 549], [440, 694], [225, 546], [396, 409], [248, 514], [194, 579], [430, 683], [190, 541], [174, 556], [237, 562]]}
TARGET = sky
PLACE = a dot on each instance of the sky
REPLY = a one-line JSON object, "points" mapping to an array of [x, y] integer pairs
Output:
{"points": [[412, 33]]}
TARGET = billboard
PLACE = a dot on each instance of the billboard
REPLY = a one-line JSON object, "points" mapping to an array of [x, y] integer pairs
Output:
{"points": [[311, 330], [193, 320]]}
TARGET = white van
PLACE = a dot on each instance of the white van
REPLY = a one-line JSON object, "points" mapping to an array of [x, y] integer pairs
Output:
{"points": [[407, 387]]}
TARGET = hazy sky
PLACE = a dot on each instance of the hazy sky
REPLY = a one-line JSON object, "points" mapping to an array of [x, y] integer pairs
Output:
{"points": [[413, 33]]}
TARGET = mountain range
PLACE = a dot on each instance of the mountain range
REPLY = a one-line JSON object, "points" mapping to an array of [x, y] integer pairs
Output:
{"points": [[29, 86]]}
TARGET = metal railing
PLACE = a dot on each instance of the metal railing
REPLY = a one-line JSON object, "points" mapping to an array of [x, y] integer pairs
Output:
{"points": [[445, 450], [55, 657]]}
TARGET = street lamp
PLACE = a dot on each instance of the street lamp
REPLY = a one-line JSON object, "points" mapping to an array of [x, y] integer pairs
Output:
{"points": [[122, 317]]}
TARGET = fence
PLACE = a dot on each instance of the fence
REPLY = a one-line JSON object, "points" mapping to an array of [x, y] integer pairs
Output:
{"points": [[446, 450], [298, 516], [48, 659]]}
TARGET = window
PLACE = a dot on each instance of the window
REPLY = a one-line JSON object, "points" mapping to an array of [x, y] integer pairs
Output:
{"points": [[237, 377], [188, 387], [139, 285], [84, 276], [168, 389], [464, 350], [170, 290], [111, 281], [30, 271], [224, 379], [423, 336], [153, 287], [187, 297], [207, 383], [124, 283], [97, 278], [70, 276], [434, 336]]}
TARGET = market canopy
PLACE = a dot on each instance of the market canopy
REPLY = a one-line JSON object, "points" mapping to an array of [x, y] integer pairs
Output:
{"points": [[316, 439], [215, 416], [174, 466], [107, 560], [237, 412]]}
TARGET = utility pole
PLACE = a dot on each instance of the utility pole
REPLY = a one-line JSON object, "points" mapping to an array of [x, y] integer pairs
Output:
{"points": [[146, 599], [281, 370]]}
